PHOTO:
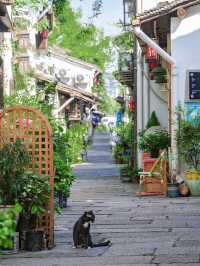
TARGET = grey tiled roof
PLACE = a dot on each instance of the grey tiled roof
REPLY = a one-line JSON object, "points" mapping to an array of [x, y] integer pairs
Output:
{"points": [[6, 2], [165, 8]]}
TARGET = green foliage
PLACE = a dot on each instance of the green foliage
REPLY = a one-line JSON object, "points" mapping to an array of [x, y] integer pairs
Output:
{"points": [[23, 23], [20, 81], [8, 226], [106, 104], [42, 24], [122, 149], [31, 3], [14, 159], [188, 137], [125, 131], [124, 42], [153, 120], [154, 141], [85, 41], [118, 153], [67, 151], [34, 194]]}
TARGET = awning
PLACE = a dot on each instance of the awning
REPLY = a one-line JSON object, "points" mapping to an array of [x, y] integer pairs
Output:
{"points": [[73, 93], [164, 9], [65, 89]]}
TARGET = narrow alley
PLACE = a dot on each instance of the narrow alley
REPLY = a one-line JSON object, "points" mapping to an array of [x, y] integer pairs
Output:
{"points": [[143, 231]]}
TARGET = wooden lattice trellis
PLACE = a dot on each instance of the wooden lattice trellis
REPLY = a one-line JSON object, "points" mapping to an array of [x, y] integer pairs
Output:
{"points": [[34, 131]]}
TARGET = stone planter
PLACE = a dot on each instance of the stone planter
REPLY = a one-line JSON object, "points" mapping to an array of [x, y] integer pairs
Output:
{"points": [[34, 241], [172, 191], [15, 247], [124, 177], [193, 182]]}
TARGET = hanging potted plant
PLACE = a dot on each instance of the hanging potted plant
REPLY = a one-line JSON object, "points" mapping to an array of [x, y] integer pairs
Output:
{"points": [[188, 137], [160, 74]]}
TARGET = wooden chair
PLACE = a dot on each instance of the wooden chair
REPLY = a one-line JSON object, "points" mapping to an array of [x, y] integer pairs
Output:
{"points": [[154, 182]]}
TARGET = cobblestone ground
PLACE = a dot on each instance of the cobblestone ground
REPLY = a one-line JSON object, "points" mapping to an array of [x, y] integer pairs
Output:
{"points": [[143, 231]]}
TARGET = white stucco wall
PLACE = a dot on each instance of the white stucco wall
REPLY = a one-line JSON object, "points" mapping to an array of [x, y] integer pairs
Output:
{"points": [[7, 62], [185, 45], [150, 97], [66, 70]]}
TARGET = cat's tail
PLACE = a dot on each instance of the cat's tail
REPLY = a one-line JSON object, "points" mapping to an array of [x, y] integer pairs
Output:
{"points": [[102, 244]]}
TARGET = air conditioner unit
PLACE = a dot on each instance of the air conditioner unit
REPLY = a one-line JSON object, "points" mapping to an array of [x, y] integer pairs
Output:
{"points": [[79, 79]]}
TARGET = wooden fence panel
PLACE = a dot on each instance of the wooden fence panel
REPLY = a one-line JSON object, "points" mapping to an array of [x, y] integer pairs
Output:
{"points": [[33, 129]]}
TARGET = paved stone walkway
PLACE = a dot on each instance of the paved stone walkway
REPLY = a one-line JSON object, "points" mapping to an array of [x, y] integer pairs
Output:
{"points": [[143, 231]]}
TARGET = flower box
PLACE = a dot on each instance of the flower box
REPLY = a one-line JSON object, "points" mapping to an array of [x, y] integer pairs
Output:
{"points": [[148, 164]]}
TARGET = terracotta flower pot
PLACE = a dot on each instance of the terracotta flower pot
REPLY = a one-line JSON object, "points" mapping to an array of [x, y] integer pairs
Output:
{"points": [[146, 155]]}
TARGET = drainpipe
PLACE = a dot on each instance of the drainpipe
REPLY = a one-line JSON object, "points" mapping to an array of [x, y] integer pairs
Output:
{"points": [[167, 57], [145, 38]]}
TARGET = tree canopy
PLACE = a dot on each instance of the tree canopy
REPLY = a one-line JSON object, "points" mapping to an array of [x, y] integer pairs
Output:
{"points": [[85, 42]]}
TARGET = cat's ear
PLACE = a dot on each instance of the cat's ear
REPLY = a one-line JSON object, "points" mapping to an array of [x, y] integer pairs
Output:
{"points": [[85, 213]]}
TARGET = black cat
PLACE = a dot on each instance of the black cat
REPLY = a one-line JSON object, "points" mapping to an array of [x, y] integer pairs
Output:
{"points": [[81, 232]]}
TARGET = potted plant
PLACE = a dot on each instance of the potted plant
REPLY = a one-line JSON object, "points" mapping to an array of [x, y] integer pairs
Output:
{"points": [[125, 174], [8, 223], [118, 153], [153, 140], [14, 160], [34, 198], [152, 122], [63, 180], [188, 137], [160, 74]]}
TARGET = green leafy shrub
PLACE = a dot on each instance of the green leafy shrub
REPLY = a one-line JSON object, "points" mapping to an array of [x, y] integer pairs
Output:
{"points": [[14, 159], [34, 196], [188, 137], [8, 223], [154, 141], [153, 121]]}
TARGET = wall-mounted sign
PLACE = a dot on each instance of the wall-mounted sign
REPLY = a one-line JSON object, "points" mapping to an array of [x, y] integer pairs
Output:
{"points": [[194, 85], [66, 76], [192, 111], [151, 55]]}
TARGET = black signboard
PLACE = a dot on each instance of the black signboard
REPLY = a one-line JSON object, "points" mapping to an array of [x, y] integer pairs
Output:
{"points": [[194, 85]]}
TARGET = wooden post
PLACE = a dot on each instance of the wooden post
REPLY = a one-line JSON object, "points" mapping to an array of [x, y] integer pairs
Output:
{"points": [[169, 91], [1, 84]]}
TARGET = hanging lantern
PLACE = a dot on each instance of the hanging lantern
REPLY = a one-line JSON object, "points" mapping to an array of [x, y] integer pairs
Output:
{"points": [[152, 66], [151, 55], [160, 74], [44, 34], [131, 104]]}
